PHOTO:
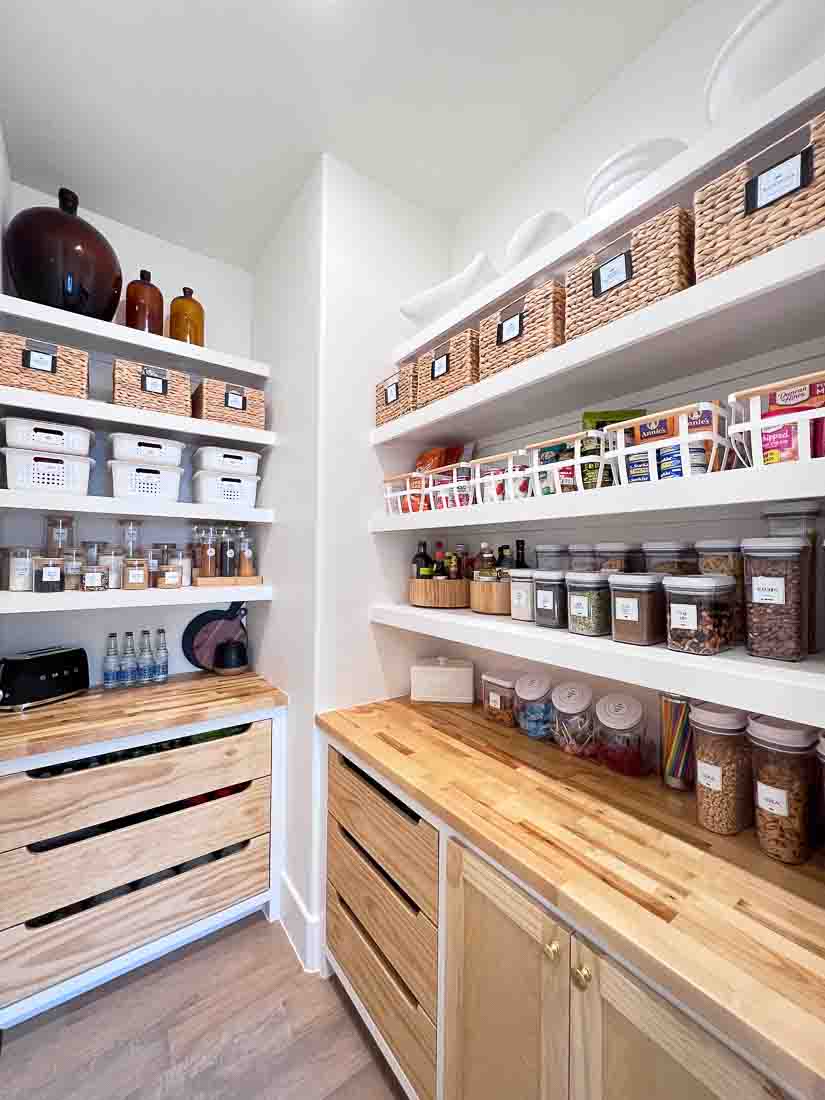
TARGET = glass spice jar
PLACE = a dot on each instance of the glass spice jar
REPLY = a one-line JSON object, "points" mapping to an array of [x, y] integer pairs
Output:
{"points": [[700, 614], [95, 578], [575, 730], [638, 608], [724, 556], [228, 562], [209, 553], [551, 597], [522, 595], [498, 695], [135, 574], [777, 590], [48, 574], [247, 566], [170, 572], [588, 604], [672, 558], [724, 775], [20, 565], [785, 780], [623, 742]]}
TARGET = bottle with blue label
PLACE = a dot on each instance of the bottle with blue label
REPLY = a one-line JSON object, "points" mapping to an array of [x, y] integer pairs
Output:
{"points": [[111, 664], [145, 659], [128, 662], [161, 658]]}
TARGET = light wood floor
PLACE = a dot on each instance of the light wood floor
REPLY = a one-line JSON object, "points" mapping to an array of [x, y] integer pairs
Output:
{"points": [[233, 1016]]}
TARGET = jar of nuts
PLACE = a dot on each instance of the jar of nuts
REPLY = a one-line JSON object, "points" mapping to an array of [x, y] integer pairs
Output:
{"points": [[588, 604], [785, 781], [724, 778], [674, 558], [725, 556], [777, 589], [498, 695], [700, 614], [614, 557]]}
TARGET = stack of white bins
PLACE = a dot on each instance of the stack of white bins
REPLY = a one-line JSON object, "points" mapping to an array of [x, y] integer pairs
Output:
{"points": [[225, 476], [143, 466], [43, 456]]}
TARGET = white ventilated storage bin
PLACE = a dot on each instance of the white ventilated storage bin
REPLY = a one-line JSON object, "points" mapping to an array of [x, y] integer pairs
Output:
{"points": [[211, 487], [146, 448], [47, 470], [45, 435], [226, 460], [140, 479]]}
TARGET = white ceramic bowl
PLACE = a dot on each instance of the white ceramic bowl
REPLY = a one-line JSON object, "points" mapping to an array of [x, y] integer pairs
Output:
{"points": [[626, 168], [533, 234], [431, 304]]}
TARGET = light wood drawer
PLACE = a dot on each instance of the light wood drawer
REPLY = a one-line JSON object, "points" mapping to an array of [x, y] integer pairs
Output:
{"points": [[33, 884], [32, 959], [33, 809], [404, 845], [406, 936], [399, 1017]]}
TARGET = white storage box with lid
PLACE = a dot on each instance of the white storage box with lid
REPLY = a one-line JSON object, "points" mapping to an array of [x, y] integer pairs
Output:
{"points": [[226, 460], [45, 435], [140, 479], [442, 680], [146, 448], [211, 487], [47, 470]]}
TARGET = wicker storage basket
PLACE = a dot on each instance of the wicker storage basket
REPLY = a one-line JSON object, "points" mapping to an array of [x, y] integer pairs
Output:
{"points": [[214, 400], [38, 365], [773, 198], [450, 366], [155, 388], [531, 324], [439, 593], [657, 262], [395, 396]]}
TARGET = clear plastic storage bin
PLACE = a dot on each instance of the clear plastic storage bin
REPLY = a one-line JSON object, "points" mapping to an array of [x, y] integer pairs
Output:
{"points": [[551, 555], [700, 614], [588, 604], [522, 595], [551, 597], [800, 519], [638, 608], [498, 698], [724, 775], [623, 742], [535, 712], [777, 591], [583, 558], [672, 558], [614, 557], [575, 721], [785, 773], [725, 556]]}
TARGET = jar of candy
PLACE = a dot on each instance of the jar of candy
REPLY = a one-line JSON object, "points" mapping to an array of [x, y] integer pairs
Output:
{"points": [[575, 730], [534, 708], [623, 743]]}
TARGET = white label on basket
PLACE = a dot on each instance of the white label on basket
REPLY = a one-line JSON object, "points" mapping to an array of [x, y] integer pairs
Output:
{"points": [[579, 605], [92, 580], [683, 616], [234, 400], [709, 775], [768, 589], [546, 599], [439, 366], [627, 609], [171, 576], [40, 360], [51, 572], [391, 393], [153, 385], [613, 272], [510, 328], [135, 576], [494, 700], [779, 180], [773, 800]]}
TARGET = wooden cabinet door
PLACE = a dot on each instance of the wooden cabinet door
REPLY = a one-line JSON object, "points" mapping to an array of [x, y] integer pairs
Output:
{"points": [[627, 1043], [507, 1005]]}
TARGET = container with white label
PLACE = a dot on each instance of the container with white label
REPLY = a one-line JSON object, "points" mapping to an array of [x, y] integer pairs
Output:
{"points": [[777, 591], [785, 774], [724, 779], [498, 695], [135, 574], [19, 565], [551, 597], [522, 595], [638, 608], [49, 575], [700, 613], [588, 604]]}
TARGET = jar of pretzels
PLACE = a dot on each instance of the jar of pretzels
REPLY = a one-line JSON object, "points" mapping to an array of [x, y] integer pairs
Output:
{"points": [[785, 774]]}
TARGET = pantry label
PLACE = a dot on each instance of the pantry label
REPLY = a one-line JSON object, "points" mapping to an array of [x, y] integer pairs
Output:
{"points": [[546, 600], [773, 800], [92, 580], [683, 616], [627, 609], [440, 366], [51, 572], [494, 700], [782, 179], [134, 576], [234, 399], [391, 393], [612, 273], [518, 596], [768, 590], [709, 775], [40, 360], [154, 380], [579, 605], [509, 329]]}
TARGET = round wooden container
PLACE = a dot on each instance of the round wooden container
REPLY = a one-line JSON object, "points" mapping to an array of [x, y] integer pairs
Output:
{"points": [[439, 593], [490, 597]]}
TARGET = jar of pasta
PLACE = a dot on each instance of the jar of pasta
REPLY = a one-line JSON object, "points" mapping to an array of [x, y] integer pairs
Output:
{"points": [[785, 776]]}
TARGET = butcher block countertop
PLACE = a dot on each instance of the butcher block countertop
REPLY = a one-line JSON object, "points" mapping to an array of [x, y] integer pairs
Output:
{"points": [[735, 937], [106, 715]]}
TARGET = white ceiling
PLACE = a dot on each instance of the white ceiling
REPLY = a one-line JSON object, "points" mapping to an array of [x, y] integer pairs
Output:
{"points": [[199, 125]]}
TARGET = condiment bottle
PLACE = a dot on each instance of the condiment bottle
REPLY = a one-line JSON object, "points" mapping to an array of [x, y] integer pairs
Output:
{"points": [[186, 318], [144, 305]]}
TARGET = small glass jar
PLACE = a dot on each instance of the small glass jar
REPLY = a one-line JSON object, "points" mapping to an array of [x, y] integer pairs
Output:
{"points": [[551, 556], [132, 537], [700, 614], [582, 556], [247, 566], [677, 755], [498, 695], [777, 587], [59, 534], [613, 557], [551, 597], [94, 578], [228, 558], [135, 574], [209, 553], [197, 539], [153, 556], [187, 565], [623, 742], [588, 604], [112, 557], [534, 708], [725, 556], [522, 595], [170, 571], [20, 565], [73, 565], [785, 773], [674, 558], [93, 549], [724, 775], [48, 575], [575, 730], [638, 608]]}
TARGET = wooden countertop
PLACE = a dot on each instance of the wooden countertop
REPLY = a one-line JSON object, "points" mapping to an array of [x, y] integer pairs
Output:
{"points": [[734, 936], [105, 715]]}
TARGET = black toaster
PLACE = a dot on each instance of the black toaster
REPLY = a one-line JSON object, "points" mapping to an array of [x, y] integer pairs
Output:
{"points": [[42, 676]]}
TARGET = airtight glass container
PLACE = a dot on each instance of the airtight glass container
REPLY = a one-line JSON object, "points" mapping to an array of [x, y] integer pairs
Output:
{"points": [[785, 775], [48, 574], [246, 554], [575, 730], [73, 566], [777, 597], [700, 614], [112, 557], [522, 595], [725, 556], [132, 533], [613, 557], [94, 578], [637, 608], [170, 571], [588, 604], [551, 597], [20, 565], [673, 558], [534, 708], [135, 574], [724, 775], [582, 556], [551, 556], [209, 553], [623, 743], [59, 534]]}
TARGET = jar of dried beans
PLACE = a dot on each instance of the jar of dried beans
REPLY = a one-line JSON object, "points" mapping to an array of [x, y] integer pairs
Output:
{"points": [[588, 604], [724, 777], [777, 597], [638, 608], [785, 781], [700, 614], [725, 556]]}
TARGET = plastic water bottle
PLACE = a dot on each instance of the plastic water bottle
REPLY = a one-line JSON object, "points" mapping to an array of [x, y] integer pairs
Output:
{"points": [[161, 658], [145, 659], [111, 664], [128, 662]]}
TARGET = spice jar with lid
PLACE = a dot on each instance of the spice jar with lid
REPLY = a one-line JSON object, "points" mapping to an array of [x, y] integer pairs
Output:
{"points": [[131, 535], [623, 742], [522, 595], [209, 552], [94, 578], [724, 775], [48, 574], [798, 519], [498, 696], [674, 558], [112, 557], [776, 597], [73, 566], [135, 574], [582, 557], [575, 730], [638, 608], [614, 557], [551, 556], [170, 570], [700, 614], [228, 562], [59, 534], [534, 708], [551, 597], [785, 779], [20, 565], [588, 604], [725, 556], [92, 550], [246, 554]]}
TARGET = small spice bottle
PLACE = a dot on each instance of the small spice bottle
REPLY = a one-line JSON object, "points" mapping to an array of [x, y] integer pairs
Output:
{"points": [[209, 553], [498, 695], [20, 566], [575, 722], [623, 743], [724, 776], [228, 557], [73, 566], [785, 780], [700, 614], [135, 574], [588, 604], [551, 597], [638, 608], [247, 566], [522, 595], [94, 578], [48, 574]]}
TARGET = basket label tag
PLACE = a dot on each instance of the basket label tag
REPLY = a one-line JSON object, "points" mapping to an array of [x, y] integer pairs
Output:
{"points": [[154, 380], [391, 393], [779, 181], [234, 399], [612, 274], [683, 616], [40, 360], [768, 590], [510, 329], [440, 366]]}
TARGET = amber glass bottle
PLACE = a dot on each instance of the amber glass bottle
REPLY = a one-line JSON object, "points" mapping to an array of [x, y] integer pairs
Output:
{"points": [[186, 318], [144, 305]]}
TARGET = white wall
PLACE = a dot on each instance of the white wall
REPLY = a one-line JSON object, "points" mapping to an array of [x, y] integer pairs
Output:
{"points": [[5, 186], [224, 291]]}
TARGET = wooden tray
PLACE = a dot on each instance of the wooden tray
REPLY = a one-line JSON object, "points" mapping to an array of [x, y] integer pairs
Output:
{"points": [[228, 582], [490, 597], [439, 593]]}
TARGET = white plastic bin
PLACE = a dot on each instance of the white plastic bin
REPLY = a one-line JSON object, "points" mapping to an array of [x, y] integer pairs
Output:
{"points": [[47, 470], [226, 460], [139, 479], [211, 487], [146, 448], [45, 435]]}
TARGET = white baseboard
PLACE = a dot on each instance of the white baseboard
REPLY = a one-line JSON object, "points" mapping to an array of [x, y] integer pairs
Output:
{"points": [[302, 927]]}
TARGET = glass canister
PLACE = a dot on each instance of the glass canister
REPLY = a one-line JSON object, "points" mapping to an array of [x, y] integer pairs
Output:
{"points": [[776, 597], [92, 550], [73, 565], [135, 574], [678, 761], [785, 773], [209, 552], [588, 604], [154, 556], [48, 574], [674, 558], [582, 556], [551, 597], [247, 566], [228, 563], [575, 730], [638, 608], [799, 518], [498, 696], [534, 708], [522, 595], [724, 775], [170, 571], [112, 558], [197, 536], [613, 557], [187, 555], [94, 578], [20, 566], [131, 536], [623, 742], [724, 556], [700, 614], [59, 534], [551, 556]]}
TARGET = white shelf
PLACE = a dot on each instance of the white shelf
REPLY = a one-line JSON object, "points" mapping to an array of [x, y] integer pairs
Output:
{"points": [[132, 506], [102, 414], [726, 145], [61, 326], [795, 691], [22, 603], [769, 302], [737, 491]]}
